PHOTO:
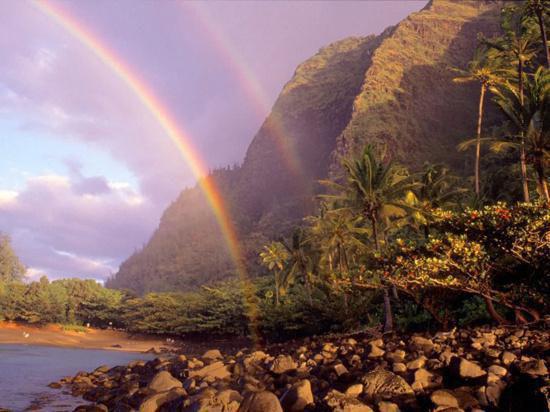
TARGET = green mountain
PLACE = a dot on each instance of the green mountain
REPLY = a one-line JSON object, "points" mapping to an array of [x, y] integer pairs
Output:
{"points": [[395, 88]]}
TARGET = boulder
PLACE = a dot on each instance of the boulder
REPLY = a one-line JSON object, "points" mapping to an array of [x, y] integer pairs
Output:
{"points": [[443, 397], [153, 402], [419, 343], [385, 406], [216, 370], [212, 354], [163, 381], [417, 363], [507, 358], [338, 402], [424, 379], [354, 390], [297, 397], [466, 369], [534, 368], [263, 401], [381, 384], [283, 364]]}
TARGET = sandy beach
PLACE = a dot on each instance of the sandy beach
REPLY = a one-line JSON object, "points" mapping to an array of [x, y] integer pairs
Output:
{"points": [[54, 335]]}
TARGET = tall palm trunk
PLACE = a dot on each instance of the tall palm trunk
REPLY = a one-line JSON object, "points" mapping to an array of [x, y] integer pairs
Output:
{"points": [[277, 287], [540, 18], [542, 185], [388, 317], [522, 155], [478, 136]]}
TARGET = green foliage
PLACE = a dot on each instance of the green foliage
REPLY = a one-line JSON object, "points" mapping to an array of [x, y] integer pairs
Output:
{"points": [[11, 269]]}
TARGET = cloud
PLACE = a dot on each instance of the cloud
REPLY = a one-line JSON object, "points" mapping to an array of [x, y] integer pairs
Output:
{"points": [[64, 232]]}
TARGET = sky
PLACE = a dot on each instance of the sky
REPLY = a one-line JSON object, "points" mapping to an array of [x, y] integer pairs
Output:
{"points": [[85, 169]]}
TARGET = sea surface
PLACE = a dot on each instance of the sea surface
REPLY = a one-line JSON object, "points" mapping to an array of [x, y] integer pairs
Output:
{"points": [[26, 370]]}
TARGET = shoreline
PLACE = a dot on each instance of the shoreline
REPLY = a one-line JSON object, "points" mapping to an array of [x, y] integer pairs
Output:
{"points": [[100, 339]]}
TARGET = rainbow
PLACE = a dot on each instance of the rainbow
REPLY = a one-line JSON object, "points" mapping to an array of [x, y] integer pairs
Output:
{"points": [[247, 80], [175, 132]]}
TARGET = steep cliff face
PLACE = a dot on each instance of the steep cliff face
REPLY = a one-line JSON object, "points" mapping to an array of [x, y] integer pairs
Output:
{"points": [[273, 188], [408, 99], [394, 88]]}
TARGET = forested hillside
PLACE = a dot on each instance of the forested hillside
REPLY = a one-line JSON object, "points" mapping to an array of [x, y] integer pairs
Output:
{"points": [[396, 88]]}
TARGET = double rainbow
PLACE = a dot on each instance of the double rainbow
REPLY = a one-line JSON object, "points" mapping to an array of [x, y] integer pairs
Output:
{"points": [[162, 115]]}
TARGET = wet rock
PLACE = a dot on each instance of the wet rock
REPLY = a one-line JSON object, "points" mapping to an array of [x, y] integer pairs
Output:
{"points": [[261, 402], [297, 397]]}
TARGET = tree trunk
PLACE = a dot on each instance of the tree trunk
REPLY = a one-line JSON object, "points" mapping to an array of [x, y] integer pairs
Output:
{"points": [[277, 289], [542, 185], [522, 156], [478, 137], [388, 317], [374, 232], [493, 312], [540, 18]]}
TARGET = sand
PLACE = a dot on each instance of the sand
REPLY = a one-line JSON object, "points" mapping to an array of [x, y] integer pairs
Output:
{"points": [[54, 335]]}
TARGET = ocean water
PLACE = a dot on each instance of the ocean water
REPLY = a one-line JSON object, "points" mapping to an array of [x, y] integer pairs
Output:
{"points": [[26, 370]]}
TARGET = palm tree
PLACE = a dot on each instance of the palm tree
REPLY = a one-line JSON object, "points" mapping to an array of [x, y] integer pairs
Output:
{"points": [[339, 236], [302, 259], [483, 70], [530, 115], [374, 189], [274, 257], [538, 9], [517, 47], [437, 188]]}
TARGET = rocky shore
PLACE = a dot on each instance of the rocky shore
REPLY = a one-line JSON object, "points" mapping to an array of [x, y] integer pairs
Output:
{"points": [[481, 369]]}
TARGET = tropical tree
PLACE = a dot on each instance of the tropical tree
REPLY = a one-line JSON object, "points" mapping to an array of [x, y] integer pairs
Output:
{"points": [[374, 189], [483, 70], [530, 116], [11, 268], [302, 259], [516, 48], [437, 188], [274, 257], [539, 9]]}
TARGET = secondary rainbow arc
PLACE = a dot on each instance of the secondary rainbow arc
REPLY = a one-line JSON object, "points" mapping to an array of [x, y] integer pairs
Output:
{"points": [[162, 115]]}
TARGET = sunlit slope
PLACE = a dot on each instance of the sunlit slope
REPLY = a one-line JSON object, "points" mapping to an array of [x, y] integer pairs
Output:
{"points": [[396, 88], [408, 99], [275, 184]]}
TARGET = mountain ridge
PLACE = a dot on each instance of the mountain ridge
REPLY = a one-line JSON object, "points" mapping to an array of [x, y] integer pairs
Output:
{"points": [[373, 88]]}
